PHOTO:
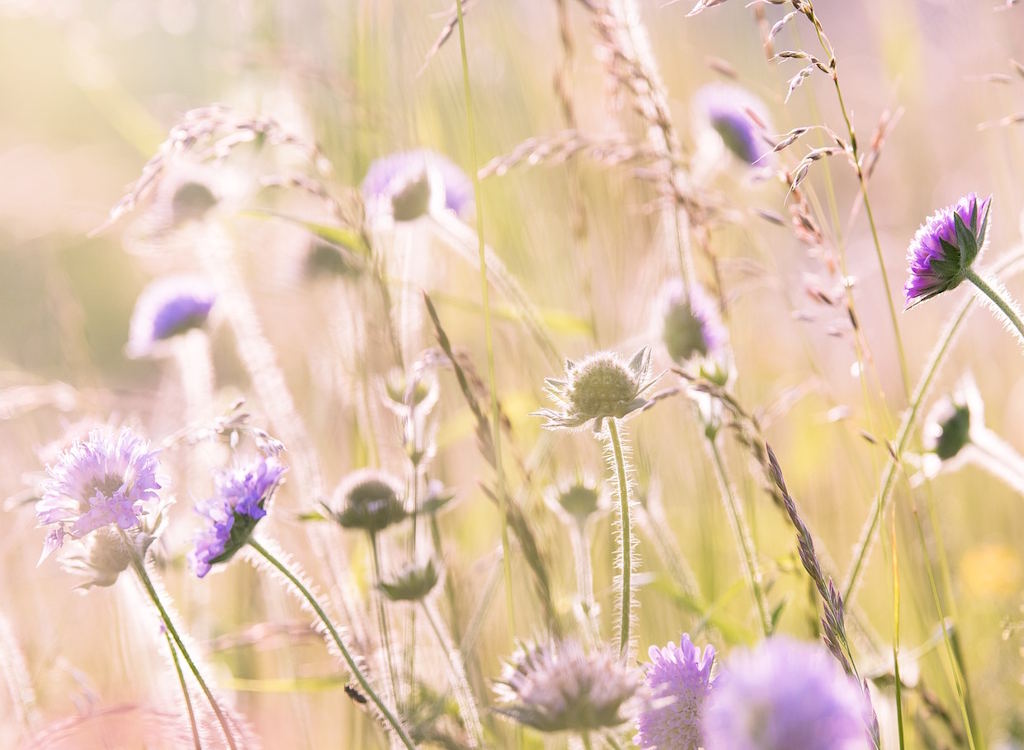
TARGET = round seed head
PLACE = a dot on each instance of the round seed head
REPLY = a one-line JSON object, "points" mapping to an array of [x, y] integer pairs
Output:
{"points": [[412, 583], [368, 500]]}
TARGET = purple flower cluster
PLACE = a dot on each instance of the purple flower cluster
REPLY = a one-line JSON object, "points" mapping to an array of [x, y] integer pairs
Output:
{"points": [[233, 512], [944, 247], [690, 323], [391, 178], [109, 479], [679, 679], [738, 117], [786, 695], [166, 308]]}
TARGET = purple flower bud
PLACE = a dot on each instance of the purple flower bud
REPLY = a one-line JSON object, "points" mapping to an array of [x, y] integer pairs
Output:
{"points": [[945, 246], [233, 512], [739, 118], [166, 308]]}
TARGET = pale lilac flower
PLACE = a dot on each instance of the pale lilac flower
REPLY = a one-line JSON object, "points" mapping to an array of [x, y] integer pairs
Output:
{"points": [[786, 695], [561, 687], [109, 479], [945, 246], [690, 323], [738, 117], [407, 183], [679, 679], [167, 307], [233, 512]]}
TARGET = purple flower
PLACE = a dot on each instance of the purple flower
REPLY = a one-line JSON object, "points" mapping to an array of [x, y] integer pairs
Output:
{"points": [[945, 246], [233, 512], [786, 695], [166, 308], [403, 185], [690, 324], [110, 479], [739, 118], [679, 678]]}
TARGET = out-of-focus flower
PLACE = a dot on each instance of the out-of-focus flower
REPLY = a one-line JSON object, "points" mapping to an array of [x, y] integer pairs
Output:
{"points": [[561, 687], [738, 117], [409, 184], [953, 419], [576, 501], [166, 308], [412, 583], [107, 480], [991, 571], [327, 260], [944, 247], [690, 324], [368, 499], [786, 695], [600, 387], [233, 512], [679, 680]]}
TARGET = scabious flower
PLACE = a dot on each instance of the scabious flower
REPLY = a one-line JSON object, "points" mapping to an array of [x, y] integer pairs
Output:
{"points": [[107, 480], [945, 247], [738, 117], [786, 695], [166, 308], [561, 687], [679, 680], [600, 387], [407, 184], [233, 512], [576, 501], [690, 324], [369, 500]]}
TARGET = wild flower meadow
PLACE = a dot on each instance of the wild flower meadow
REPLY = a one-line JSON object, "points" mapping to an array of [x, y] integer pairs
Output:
{"points": [[541, 374]]}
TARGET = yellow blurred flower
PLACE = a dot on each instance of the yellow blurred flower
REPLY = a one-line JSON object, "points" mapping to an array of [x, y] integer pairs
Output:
{"points": [[991, 571]]}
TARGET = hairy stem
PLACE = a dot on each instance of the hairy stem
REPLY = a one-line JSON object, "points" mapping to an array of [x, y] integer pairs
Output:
{"points": [[184, 693], [626, 538], [368, 690], [1005, 305], [460, 682]]}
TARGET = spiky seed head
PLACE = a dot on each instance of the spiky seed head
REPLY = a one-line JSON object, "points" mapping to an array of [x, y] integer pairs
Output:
{"points": [[945, 247], [600, 387], [559, 686], [411, 584], [369, 500]]}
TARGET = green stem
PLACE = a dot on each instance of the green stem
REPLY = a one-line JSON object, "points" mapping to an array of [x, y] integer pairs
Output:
{"points": [[587, 744], [743, 536], [140, 569], [898, 445], [997, 299], [382, 617], [626, 537], [896, 634], [184, 692], [485, 298], [460, 682], [389, 717]]}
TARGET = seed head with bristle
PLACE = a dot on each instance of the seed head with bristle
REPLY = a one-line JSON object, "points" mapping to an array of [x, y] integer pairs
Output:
{"points": [[600, 387], [561, 687]]}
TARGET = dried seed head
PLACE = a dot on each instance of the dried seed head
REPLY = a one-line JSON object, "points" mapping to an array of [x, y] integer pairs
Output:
{"points": [[600, 387]]}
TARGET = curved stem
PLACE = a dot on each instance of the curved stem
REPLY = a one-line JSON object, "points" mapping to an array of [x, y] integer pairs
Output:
{"points": [[743, 536], [460, 682], [140, 569], [899, 444], [389, 717], [184, 693], [1006, 306], [626, 537]]}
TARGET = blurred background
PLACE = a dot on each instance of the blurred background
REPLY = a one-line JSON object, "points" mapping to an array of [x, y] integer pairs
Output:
{"points": [[92, 88]]}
